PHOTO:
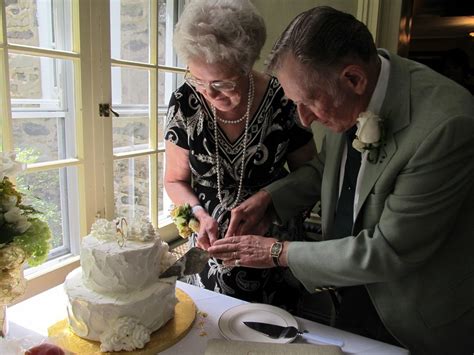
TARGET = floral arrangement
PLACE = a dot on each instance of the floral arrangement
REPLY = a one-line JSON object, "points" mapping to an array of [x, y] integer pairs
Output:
{"points": [[184, 220], [369, 135], [23, 236]]}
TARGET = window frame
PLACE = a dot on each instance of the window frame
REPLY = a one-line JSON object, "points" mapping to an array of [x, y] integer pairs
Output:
{"points": [[92, 63]]}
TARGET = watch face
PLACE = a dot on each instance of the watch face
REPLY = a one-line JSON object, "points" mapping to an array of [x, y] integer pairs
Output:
{"points": [[276, 249]]}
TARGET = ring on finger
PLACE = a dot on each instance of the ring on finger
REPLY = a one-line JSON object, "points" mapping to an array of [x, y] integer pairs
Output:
{"points": [[237, 262], [234, 255]]}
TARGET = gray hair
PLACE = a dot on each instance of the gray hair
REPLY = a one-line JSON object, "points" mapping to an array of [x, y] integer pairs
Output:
{"points": [[220, 31], [323, 39]]}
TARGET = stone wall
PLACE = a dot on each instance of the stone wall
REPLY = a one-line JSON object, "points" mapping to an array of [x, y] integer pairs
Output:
{"points": [[22, 29]]}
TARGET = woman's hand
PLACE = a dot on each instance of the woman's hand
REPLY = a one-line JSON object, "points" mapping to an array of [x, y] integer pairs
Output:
{"points": [[251, 216], [208, 229], [247, 250]]}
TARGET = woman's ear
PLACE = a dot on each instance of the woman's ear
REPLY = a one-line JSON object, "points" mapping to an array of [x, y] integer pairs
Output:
{"points": [[354, 78]]}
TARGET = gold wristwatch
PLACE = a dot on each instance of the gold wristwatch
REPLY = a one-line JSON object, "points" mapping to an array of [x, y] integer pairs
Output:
{"points": [[275, 252]]}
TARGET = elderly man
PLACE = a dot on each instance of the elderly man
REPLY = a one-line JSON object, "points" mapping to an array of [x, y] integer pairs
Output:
{"points": [[397, 200]]}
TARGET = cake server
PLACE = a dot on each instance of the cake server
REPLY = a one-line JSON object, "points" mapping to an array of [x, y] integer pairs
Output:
{"points": [[277, 331], [192, 262]]}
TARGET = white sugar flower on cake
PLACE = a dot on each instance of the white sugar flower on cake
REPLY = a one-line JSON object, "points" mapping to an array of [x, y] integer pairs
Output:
{"points": [[103, 229], [141, 229], [125, 334]]}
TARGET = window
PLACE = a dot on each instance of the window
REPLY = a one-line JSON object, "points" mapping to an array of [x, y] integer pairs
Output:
{"points": [[141, 86], [61, 60]]}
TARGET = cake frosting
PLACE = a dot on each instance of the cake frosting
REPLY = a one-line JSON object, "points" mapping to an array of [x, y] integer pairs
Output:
{"points": [[116, 296]]}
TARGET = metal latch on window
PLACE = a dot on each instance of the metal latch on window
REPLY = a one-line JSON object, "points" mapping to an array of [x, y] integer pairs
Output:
{"points": [[106, 109]]}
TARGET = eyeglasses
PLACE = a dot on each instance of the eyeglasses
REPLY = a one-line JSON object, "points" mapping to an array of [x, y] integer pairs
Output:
{"points": [[218, 85]]}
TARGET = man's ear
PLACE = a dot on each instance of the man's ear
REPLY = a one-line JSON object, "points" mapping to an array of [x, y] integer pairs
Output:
{"points": [[354, 78]]}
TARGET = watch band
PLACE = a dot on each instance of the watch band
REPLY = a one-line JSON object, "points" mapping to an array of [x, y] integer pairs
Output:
{"points": [[275, 252]]}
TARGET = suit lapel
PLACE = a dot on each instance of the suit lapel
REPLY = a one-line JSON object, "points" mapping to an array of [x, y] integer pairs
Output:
{"points": [[396, 115]]}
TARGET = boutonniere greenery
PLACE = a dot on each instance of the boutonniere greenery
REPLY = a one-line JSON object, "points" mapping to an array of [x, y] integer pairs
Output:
{"points": [[370, 135]]}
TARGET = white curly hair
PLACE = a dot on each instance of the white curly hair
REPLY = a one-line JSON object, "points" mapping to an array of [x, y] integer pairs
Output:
{"points": [[220, 31]]}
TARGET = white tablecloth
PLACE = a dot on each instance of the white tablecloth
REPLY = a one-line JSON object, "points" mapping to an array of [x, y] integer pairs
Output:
{"points": [[31, 318]]}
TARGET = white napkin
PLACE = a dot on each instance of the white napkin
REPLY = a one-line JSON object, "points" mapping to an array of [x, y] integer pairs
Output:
{"points": [[234, 347]]}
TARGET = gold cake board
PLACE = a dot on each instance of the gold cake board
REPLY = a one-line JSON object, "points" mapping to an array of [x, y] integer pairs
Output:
{"points": [[163, 338]]}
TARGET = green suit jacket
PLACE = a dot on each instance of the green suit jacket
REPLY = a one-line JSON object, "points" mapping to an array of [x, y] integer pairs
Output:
{"points": [[413, 237]]}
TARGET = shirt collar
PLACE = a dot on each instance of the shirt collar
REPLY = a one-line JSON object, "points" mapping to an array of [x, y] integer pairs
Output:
{"points": [[378, 95]]}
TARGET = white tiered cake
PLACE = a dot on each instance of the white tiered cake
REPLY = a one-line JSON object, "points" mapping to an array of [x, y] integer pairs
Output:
{"points": [[116, 296]]}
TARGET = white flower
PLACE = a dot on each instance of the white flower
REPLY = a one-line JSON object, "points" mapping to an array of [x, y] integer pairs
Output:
{"points": [[105, 230], [15, 216], [140, 336], [369, 132], [358, 145], [8, 202], [9, 166], [125, 333], [141, 229]]}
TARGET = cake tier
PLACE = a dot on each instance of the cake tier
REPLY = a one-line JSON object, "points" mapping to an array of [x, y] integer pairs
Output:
{"points": [[90, 314], [110, 268]]}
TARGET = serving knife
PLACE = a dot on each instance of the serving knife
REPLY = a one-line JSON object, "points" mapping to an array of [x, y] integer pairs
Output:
{"points": [[277, 331], [192, 262]]}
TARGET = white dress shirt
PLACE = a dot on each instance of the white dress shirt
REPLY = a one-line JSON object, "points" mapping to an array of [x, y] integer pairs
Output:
{"points": [[374, 106]]}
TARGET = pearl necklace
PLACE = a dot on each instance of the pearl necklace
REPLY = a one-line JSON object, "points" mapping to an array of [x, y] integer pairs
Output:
{"points": [[231, 121], [250, 98]]}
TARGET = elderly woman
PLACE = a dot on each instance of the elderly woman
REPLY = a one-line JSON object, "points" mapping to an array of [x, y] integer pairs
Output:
{"points": [[230, 131]]}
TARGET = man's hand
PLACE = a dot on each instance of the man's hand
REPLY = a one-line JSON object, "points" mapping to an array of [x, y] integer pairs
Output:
{"points": [[251, 216], [247, 250]]}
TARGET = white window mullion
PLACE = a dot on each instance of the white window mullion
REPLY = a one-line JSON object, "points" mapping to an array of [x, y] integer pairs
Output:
{"points": [[75, 203]]}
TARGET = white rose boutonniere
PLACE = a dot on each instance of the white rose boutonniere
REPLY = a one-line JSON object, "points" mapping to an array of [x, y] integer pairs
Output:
{"points": [[369, 135]]}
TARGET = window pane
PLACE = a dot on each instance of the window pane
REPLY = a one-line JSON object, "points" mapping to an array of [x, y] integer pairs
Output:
{"points": [[130, 92], [42, 104], [131, 187], [130, 133], [130, 30], [39, 23], [161, 128], [42, 138], [49, 192], [167, 83]]}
